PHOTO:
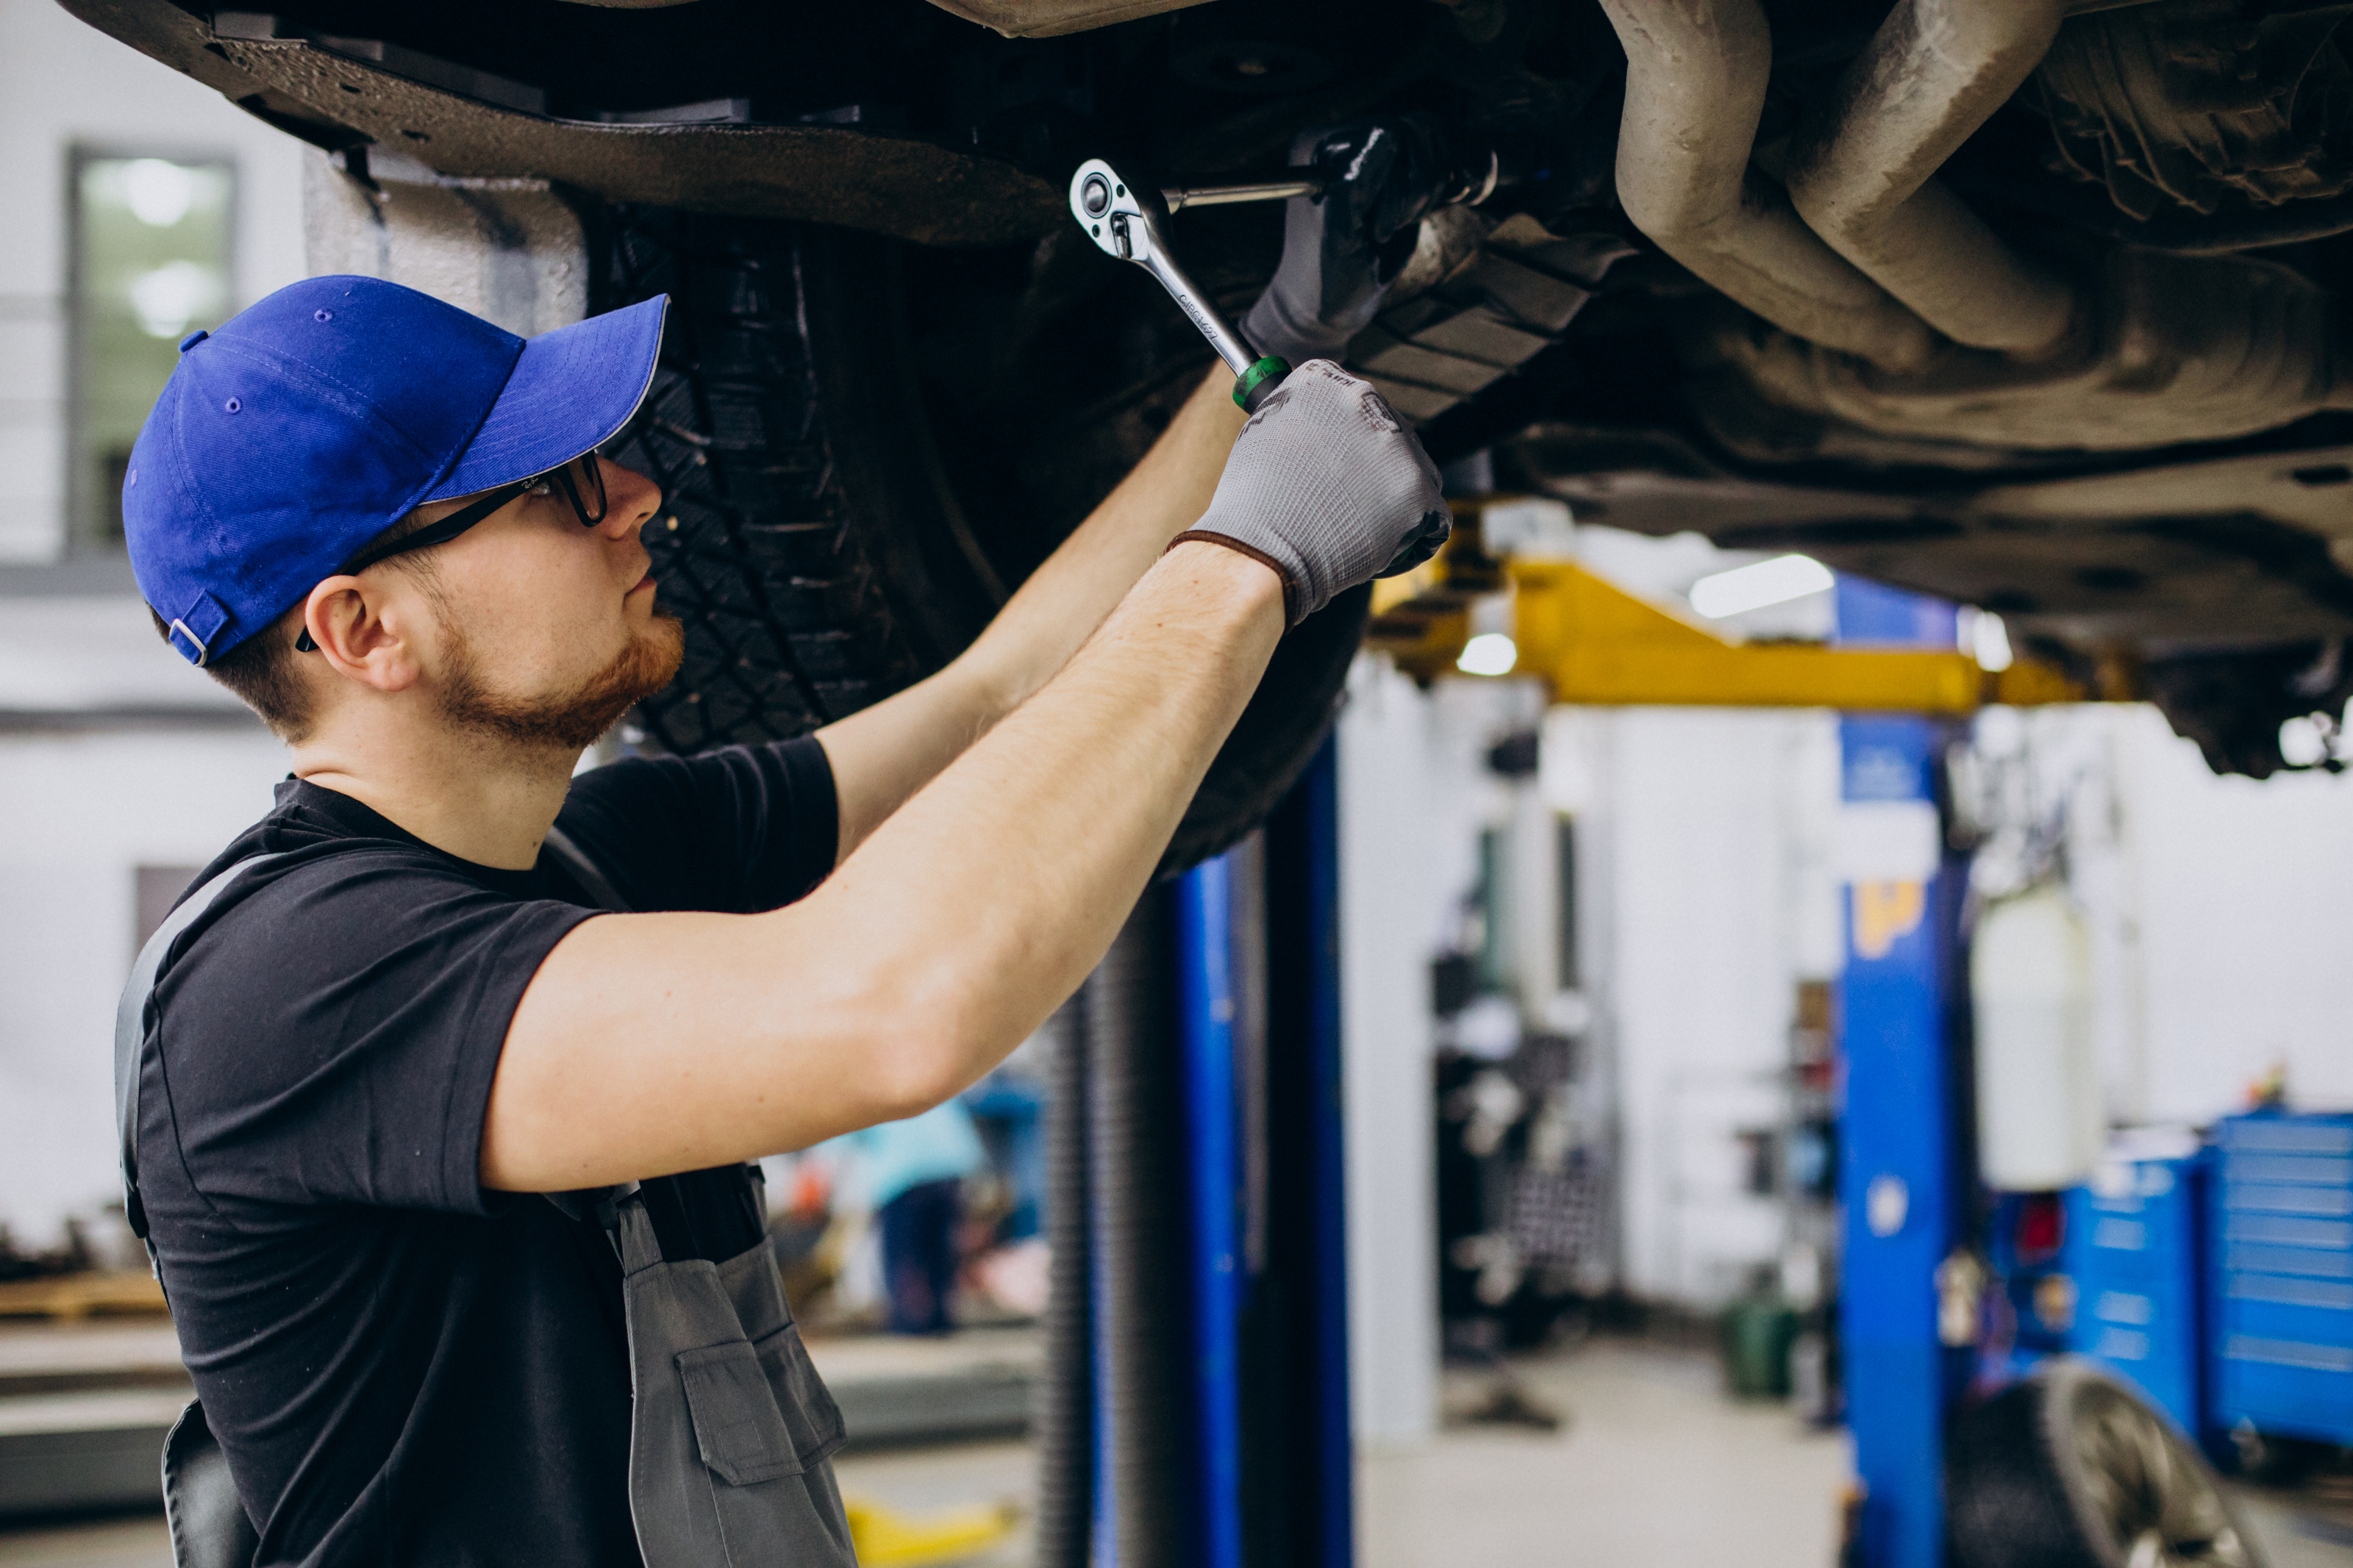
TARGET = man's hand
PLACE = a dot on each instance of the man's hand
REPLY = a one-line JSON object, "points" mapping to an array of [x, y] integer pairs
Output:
{"points": [[1342, 249], [1327, 487]]}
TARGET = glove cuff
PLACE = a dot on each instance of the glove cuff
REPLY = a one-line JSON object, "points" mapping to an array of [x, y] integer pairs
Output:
{"points": [[1293, 611]]}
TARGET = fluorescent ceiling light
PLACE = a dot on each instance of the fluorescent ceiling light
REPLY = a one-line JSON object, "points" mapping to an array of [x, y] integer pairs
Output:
{"points": [[1489, 653], [1986, 639], [1745, 588]]}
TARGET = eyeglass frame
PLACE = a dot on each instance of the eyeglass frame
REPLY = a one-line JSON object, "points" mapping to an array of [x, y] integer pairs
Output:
{"points": [[467, 516]]}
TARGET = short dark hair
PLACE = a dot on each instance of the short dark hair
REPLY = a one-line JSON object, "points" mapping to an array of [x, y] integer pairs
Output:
{"points": [[265, 671], [262, 672]]}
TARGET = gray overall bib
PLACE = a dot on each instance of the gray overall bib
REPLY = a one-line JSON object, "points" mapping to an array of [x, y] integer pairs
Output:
{"points": [[730, 1431]]}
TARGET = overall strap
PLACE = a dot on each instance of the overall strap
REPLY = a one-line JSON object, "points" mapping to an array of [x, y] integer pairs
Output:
{"points": [[131, 1029], [632, 1229], [593, 881]]}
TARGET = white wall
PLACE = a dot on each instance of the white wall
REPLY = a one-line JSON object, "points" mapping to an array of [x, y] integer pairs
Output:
{"points": [[2242, 894], [1706, 898], [83, 811], [1389, 854], [63, 82], [1414, 793], [78, 652], [2219, 909], [1705, 895]]}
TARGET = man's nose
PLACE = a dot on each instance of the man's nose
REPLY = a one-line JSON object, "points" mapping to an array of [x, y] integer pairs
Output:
{"points": [[631, 501]]}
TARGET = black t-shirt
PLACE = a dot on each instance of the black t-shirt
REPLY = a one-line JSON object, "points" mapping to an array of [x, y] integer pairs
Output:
{"points": [[402, 1367]]}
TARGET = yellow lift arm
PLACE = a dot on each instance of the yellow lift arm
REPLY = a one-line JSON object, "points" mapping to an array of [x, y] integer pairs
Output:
{"points": [[1592, 642]]}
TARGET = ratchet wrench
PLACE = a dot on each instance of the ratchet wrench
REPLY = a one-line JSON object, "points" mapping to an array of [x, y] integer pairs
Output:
{"points": [[1124, 220]]}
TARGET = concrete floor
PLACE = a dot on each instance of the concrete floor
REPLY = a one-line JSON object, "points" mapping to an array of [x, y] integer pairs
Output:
{"points": [[1653, 1467]]}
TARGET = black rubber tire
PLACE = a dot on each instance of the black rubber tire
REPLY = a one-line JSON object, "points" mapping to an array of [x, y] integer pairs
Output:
{"points": [[2067, 1468], [824, 546]]}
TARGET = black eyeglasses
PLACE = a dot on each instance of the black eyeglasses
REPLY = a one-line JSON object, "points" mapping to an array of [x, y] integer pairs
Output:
{"points": [[587, 495]]}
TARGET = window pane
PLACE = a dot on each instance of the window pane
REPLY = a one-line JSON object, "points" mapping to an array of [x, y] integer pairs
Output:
{"points": [[153, 266]]}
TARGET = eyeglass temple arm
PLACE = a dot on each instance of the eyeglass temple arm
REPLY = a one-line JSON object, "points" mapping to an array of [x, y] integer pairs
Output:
{"points": [[441, 533]]}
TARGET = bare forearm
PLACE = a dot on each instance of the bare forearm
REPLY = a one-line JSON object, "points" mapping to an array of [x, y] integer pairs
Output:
{"points": [[882, 755], [1053, 823], [1066, 598], [934, 949]]}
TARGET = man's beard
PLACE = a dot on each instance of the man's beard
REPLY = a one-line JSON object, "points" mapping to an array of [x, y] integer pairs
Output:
{"points": [[572, 719]]}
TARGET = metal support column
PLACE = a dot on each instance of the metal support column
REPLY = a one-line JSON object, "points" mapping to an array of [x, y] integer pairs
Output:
{"points": [[1900, 1170], [1207, 1003], [1196, 1409], [1298, 1476]]}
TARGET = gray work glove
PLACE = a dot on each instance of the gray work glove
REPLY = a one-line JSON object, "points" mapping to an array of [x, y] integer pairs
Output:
{"points": [[1342, 250], [1326, 486]]}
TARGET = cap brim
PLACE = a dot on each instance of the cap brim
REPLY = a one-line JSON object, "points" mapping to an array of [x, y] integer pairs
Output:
{"points": [[572, 390]]}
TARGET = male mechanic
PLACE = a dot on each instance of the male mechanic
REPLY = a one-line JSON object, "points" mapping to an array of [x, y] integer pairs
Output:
{"points": [[384, 524]]}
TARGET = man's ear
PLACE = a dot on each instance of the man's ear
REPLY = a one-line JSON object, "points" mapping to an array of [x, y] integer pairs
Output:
{"points": [[365, 633]]}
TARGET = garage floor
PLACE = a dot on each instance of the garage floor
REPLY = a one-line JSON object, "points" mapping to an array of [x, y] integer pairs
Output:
{"points": [[1654, 1466]]}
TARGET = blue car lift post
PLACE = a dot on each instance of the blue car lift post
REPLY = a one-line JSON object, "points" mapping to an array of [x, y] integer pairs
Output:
{"points": [[1903, 1178], [1210, 1005], [1216, 1389]]}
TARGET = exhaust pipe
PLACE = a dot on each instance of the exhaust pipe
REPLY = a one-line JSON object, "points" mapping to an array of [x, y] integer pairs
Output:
{"points": [[1862, 173], [1695, 77]]}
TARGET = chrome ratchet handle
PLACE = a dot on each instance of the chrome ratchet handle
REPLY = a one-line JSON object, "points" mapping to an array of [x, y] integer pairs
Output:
{"points": [[1163, 265], [1123, 220]]}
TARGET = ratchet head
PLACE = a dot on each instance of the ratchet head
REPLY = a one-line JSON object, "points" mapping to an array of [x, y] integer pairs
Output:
{"points": [[1121, 217]]}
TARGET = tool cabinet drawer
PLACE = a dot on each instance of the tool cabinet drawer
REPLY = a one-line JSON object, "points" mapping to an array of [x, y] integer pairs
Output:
{"points": [[2292, 1169], [2271, 1134], [2322, 1235], [2265, 1317], [2286, 1198], [2333, 1293], [2305, 1262], [2278, 1389]]}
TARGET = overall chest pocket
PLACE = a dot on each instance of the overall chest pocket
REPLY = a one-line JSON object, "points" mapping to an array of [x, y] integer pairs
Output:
{"points": [[760, 1411], [739, 1424], [812, 1421]]}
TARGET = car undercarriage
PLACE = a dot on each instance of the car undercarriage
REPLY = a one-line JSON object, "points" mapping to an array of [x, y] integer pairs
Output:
{"points": [[2030, 306]]}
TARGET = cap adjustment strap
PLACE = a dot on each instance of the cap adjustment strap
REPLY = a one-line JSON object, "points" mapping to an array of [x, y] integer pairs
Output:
{"points": [[200, 624]]}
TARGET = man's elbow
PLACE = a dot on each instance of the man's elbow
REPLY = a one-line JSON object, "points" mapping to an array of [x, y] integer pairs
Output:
{"points": [[928, 1052], [911, 1077]]}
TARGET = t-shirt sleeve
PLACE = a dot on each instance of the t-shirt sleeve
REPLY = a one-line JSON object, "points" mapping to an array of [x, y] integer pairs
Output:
{"points": [[737, 830], [332, 1036]]}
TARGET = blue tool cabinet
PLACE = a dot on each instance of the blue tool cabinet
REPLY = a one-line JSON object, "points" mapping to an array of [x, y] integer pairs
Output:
{"points": [[2282, 1282], [2133, 1244]]}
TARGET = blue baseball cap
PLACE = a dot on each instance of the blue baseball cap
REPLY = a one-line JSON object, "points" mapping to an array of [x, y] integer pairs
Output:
{"points": [[316, 419]]}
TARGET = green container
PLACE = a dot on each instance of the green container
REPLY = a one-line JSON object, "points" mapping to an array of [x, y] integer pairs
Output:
{"points": [[1757, 1334]]}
